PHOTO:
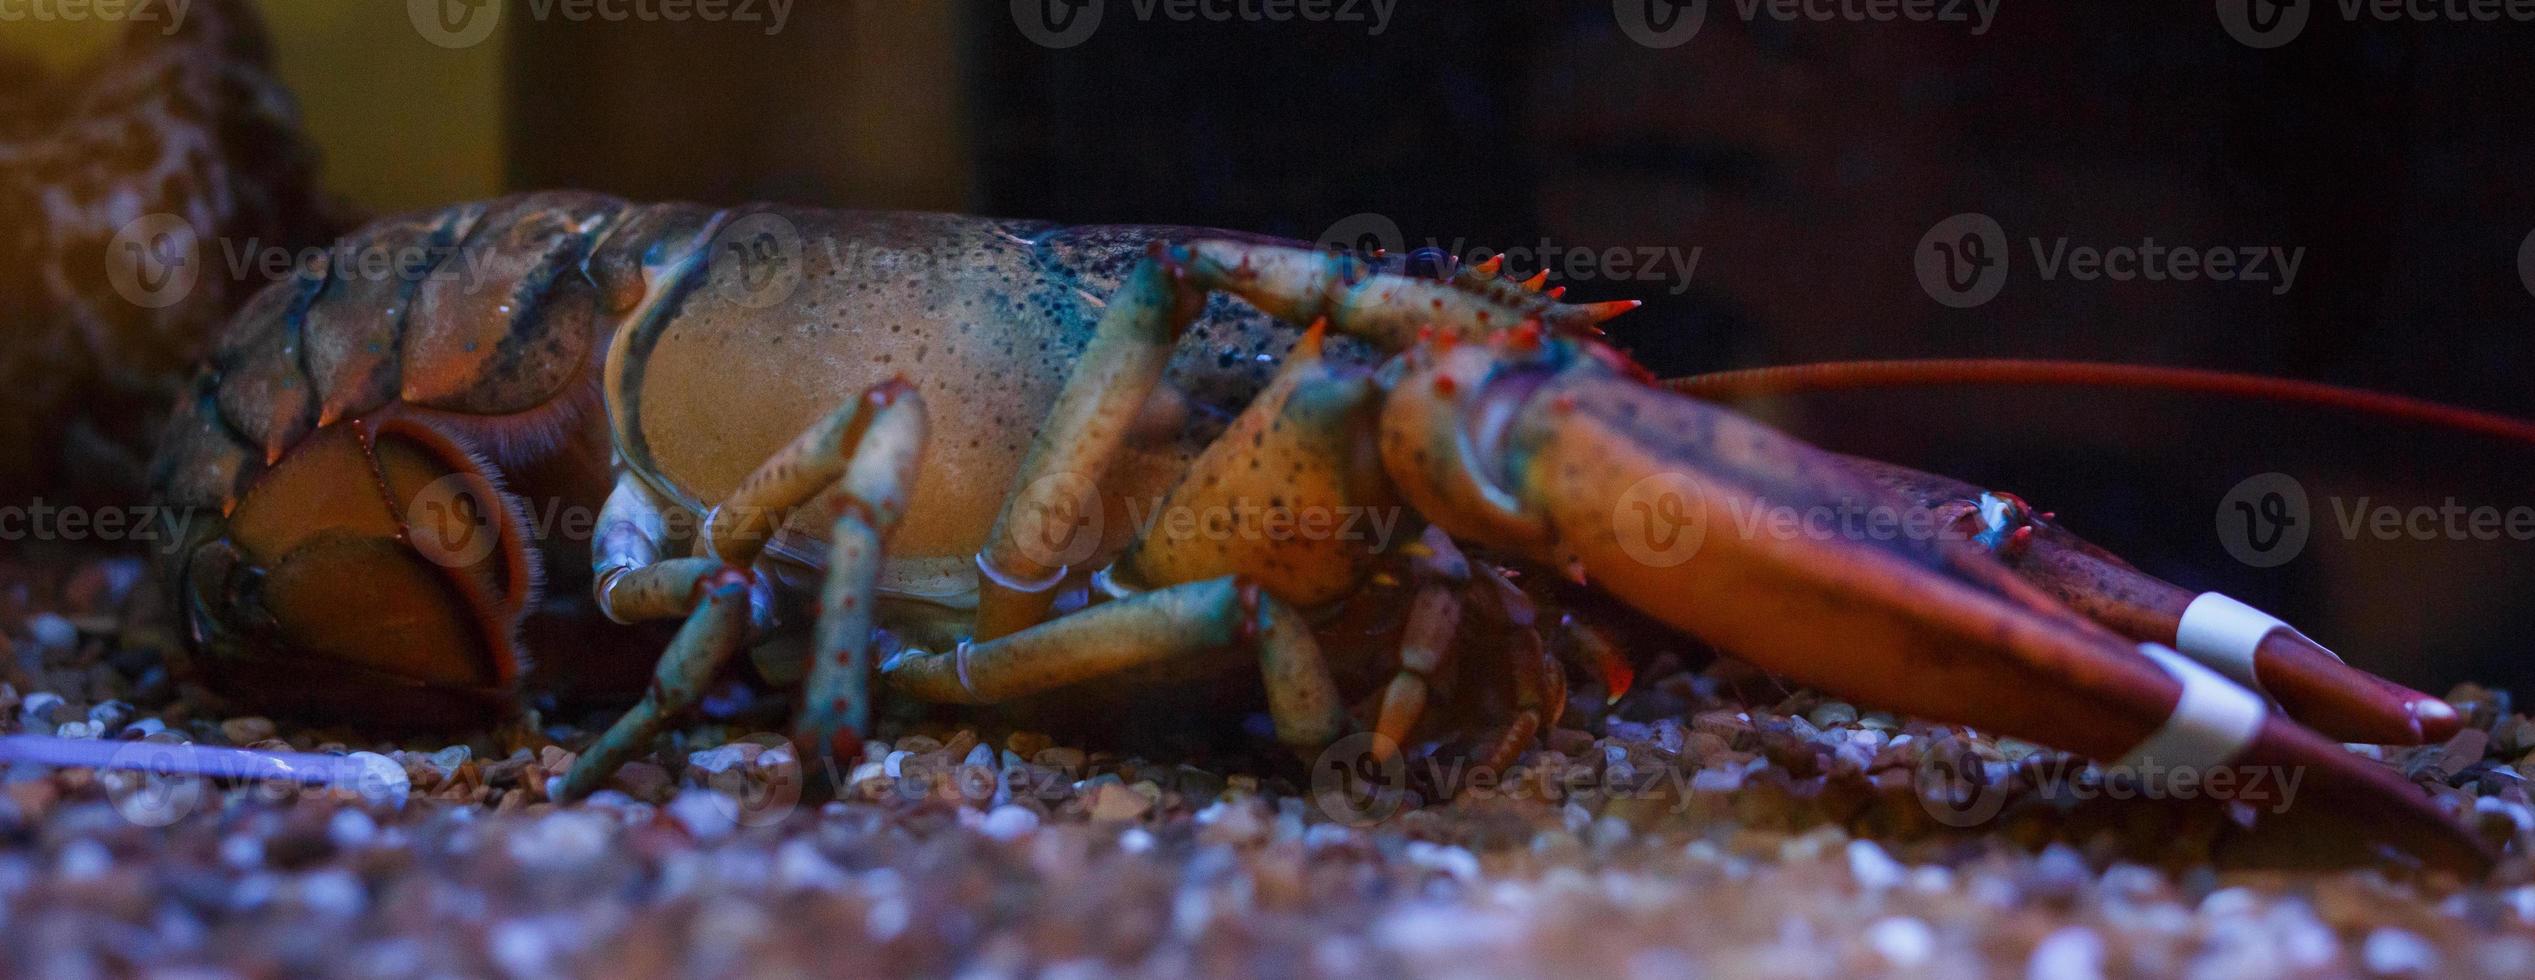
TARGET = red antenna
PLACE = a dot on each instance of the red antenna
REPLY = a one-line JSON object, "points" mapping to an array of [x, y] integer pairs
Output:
{"points": [[1854, 375]]}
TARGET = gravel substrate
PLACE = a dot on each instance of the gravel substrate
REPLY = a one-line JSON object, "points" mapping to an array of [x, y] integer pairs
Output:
{"points": [[1681, 832]]}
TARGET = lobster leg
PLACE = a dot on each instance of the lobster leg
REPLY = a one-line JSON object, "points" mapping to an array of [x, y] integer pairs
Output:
{"points": [[1186, 627], [1123, 362], [1426, 645], [1546, 450], [862, 456], [2309, 681], [717, 629]]}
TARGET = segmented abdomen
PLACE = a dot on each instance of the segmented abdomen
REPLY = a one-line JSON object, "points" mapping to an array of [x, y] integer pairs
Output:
{"points": [[486, 317]]}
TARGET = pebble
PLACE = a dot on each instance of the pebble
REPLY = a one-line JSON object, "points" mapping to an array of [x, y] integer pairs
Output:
{"points": [[1874, 869], [706, 814], [2071, 953], [1902, 941], [350, 828], [36, 711], [1009, 822], [247, 729], [52, 632], [2396, 952], [1114, 801], [83, 859]]}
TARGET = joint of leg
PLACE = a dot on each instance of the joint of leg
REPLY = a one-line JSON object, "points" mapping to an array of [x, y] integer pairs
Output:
{"points": [[986, 569]]}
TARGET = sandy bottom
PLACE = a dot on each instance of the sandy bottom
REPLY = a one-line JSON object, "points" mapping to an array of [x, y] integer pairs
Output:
{"points": [[1685, 831]]}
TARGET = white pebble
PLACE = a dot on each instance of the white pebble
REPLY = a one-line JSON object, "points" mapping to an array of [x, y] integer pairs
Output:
{"points": [[705, 814], [350, 828], [83, 859], [52, 632], [894, 765], [333, 892], [80, 730], [1136, 840], [241, 851], [379, 780], [36, 712], [717, 759], [1874, 869], [521, 949], [109, 714], [800, 867], [2073, 953], [1902, 941], [2390, 951], [1009, 822]]}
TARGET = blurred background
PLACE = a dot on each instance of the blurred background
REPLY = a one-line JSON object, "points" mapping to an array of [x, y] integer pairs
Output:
{"points": [[1799, 164]]}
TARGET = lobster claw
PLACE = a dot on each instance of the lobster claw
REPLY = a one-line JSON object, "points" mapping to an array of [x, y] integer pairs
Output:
{"points": [[1770, 549], [2309, 681], [376, 574]]}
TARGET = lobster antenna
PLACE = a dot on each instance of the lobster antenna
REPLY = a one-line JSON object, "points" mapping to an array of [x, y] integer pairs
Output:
{"points": [[1853, 375]]}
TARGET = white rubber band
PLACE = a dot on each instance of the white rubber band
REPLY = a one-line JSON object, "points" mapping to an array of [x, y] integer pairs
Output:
{"points": [[2213, 722], [2223, 634]]}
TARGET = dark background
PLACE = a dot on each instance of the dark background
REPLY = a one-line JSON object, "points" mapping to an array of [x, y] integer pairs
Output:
{"points": [[1805, 160]]}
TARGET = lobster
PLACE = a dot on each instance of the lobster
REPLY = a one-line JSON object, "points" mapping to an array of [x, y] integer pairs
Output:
{"points": [[909, 450]]}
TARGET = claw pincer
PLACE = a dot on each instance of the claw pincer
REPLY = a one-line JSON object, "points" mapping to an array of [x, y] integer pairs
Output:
{"points": [[1737, 534]]}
